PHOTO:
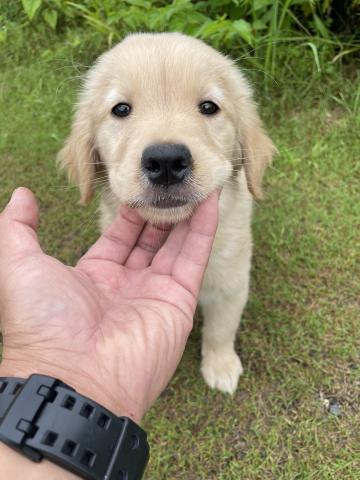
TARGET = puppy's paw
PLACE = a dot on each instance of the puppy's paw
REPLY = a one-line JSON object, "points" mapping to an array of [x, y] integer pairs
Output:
{"points": [[221, 370]]}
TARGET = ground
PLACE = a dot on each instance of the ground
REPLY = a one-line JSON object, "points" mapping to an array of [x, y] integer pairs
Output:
{"points": [[296, 412]]}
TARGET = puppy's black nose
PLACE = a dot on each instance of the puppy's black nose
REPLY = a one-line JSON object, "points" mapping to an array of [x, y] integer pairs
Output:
{"points": [[166, 163]]}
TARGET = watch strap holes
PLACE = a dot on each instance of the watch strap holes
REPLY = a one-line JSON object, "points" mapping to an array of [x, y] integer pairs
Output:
{"points": [[69, 448], [86, 410], [103, 421], [88, 458], [69, 402], [3, 385], [49, 438]]}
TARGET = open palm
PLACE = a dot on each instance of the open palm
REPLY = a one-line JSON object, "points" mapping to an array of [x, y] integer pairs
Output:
{"points": [[114, 326]]}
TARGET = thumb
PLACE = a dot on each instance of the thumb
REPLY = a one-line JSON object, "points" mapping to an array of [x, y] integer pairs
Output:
{"points": [[18, 224], [23, 208]]}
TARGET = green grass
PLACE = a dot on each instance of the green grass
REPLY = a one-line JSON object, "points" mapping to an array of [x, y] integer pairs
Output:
{"points": [[299, 339]]}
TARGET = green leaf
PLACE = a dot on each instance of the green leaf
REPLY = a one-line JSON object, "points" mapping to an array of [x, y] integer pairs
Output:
{"points": [[178, 23], [258, 25], [261, 4], [139, 3], [31, 7], [320, 27], [50, 17], [243, 28], [316, 55], [212, 28]]}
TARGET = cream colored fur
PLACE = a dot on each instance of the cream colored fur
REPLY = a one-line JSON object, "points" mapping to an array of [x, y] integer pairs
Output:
{"points": [[164, 77]]}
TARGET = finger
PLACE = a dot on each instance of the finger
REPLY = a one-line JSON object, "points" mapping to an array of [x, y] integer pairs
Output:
{"points": [[18, 224], [118, 240], [149, 242], [190, 264], [23, 208], [165, 258]]}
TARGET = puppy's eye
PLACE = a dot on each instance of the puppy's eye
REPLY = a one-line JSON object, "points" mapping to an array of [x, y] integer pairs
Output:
{"points": [[208, 108], [121, 110]]}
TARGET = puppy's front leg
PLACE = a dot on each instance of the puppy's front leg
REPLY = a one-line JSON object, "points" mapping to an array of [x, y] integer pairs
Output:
{"points": [[221, 367]]}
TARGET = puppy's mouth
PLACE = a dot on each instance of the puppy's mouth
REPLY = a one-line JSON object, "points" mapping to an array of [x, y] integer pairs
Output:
{"points": [[167, 197], [168, 202], [173, 204]]}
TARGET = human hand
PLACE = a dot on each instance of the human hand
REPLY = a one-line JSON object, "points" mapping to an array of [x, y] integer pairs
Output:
{"points": [[115, 326]]}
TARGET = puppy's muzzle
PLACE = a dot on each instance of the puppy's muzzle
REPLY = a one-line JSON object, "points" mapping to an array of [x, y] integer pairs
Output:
{"points": [[166, 164]]}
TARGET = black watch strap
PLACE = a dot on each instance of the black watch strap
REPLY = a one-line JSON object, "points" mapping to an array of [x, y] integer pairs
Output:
{"points": [[42, 417]]}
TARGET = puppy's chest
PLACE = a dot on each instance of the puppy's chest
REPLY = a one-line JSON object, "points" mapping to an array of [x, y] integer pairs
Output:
{"points": [[230, 256]]}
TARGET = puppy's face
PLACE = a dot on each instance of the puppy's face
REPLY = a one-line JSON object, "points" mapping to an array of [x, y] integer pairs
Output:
{"points": [[170, 120]]}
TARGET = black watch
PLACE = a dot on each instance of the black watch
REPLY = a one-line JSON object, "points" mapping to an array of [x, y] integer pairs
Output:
{"points": [[42, 417]]}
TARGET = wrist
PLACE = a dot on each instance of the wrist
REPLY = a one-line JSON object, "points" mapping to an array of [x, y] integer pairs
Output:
{"points": [[82, 382]]}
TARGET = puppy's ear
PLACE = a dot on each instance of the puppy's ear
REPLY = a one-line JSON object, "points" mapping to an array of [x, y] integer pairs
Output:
{"points": [[79, 156], [257, 151]]}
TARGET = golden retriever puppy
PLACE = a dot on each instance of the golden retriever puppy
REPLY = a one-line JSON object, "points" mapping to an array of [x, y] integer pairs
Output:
{"points": [[167, 120]]}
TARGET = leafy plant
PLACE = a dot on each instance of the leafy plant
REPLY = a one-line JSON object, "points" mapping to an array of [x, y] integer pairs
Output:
{"points": [[31, 7], [251, 29]]}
